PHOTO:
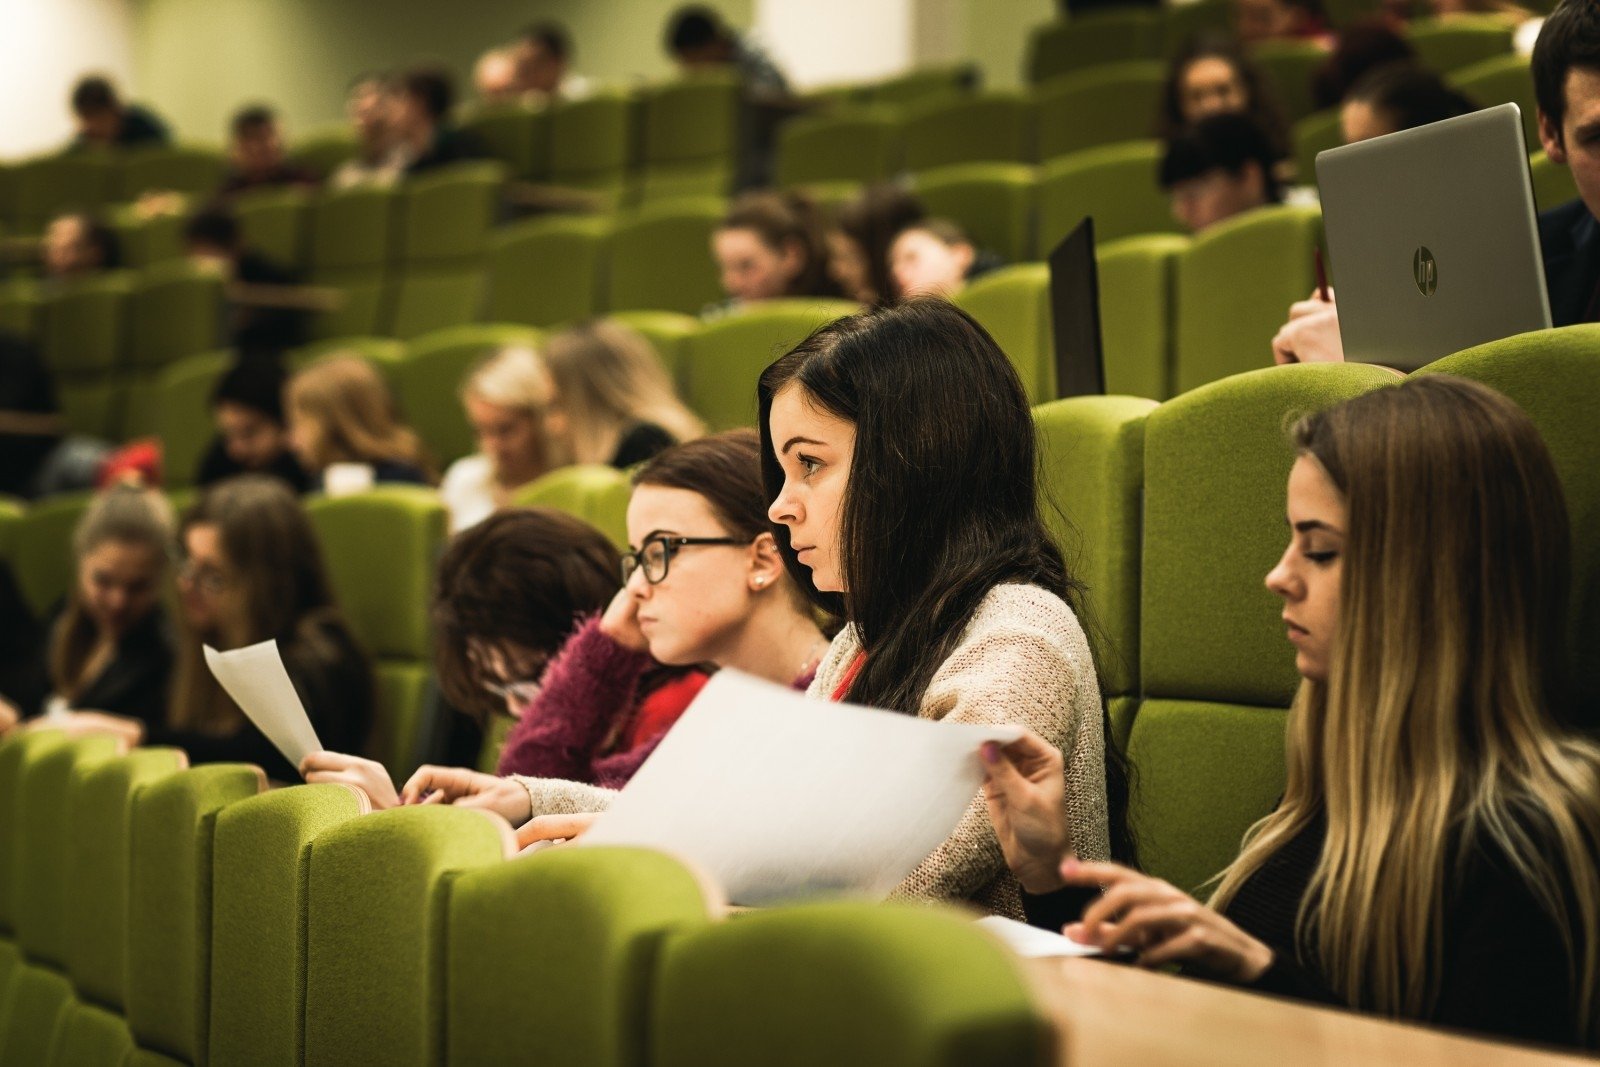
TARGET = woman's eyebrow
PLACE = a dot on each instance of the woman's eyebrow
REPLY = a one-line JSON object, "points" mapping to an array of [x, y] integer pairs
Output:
{"points": [[791, 442]]}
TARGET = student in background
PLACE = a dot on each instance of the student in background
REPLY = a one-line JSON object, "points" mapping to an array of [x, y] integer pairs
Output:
{"points": [[859, 240], [256, 155], [1566, 80], [698, 39], [1434, 853], [1400, 96], [79, 246], [247, 411], [341, 412], [506, 397], [1213, 76], [1258, 21], [613, 402], [933, 257], [263, 323], [105, 121], [1361, 47], [542, 56], [1221, 167], [494, 77], [422, 107], [379, 159], [771, 245]]}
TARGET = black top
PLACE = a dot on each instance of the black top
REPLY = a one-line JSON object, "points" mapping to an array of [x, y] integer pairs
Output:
{"points": [[450, 145], [140, 129], [331, 674], [134, 683], [1505, 959], [1570, 239], [216, 465], [641, 441], [25, 388]]}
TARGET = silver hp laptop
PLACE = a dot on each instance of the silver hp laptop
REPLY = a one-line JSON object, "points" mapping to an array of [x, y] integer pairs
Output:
{"points": [[1433, 239]]}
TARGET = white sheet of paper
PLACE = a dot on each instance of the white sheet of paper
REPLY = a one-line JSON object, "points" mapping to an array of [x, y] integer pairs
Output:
{"points": [[1031, 942], [780, 797], [255, 678]]}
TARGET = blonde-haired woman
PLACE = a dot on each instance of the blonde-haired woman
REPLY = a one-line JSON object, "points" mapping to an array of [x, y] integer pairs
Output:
{"points": [[613, 401], [340, 411], [1434, 854], [506, 398]]}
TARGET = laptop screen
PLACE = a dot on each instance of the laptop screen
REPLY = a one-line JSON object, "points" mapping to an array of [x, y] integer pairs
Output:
{"points": [[1075, 313]]}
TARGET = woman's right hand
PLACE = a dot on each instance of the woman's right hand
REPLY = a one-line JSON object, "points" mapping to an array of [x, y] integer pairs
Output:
{"points": [[469, 789], [621, 622], [1026, 791], [370, 776]]}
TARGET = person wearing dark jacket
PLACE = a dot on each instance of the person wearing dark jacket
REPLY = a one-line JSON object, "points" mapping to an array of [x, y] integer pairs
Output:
{"points": [[252, 438], [423, 104], [106, 121]]}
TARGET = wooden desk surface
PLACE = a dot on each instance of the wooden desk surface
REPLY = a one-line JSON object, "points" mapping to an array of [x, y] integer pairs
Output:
{"points": [[1116, 1015]]}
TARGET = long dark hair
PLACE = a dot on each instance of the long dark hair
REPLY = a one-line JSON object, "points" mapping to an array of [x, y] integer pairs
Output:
{"points": [[941, 504], [1262, 105]]}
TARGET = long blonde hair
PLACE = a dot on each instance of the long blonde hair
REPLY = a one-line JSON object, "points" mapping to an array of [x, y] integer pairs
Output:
{"points": [[1436, 730], [356, 415], [515, 378], [607, 377]]}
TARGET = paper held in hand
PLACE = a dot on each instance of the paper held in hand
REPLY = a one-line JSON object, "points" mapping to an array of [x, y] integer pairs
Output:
{"points": [[255, 678], [779, 797]]}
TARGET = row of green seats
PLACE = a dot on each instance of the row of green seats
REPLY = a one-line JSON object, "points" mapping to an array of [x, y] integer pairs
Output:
{"points": [[156, 915], [36, 190]]}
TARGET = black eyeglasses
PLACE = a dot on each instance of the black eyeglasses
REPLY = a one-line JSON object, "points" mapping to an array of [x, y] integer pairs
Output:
{"points": [[655, 555]]}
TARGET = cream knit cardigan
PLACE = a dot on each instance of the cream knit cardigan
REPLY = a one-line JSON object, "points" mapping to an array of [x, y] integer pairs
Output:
{"points": [[1023, 659]]}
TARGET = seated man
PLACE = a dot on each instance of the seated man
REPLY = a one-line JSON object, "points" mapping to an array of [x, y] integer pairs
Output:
{"points": [[1217, 168], [422, 126], [247, 408], [104, 121], [379, 158], [257, 156], [699, 40], [494, 77], [543, 57]]}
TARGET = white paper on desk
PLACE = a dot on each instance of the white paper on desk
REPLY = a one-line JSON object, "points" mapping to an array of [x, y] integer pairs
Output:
{"points": [[255, 678], [1031, 942], [779, 797]]}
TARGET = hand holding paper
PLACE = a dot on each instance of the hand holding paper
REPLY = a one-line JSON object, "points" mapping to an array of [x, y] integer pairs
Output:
{"points": [[255, 678]]}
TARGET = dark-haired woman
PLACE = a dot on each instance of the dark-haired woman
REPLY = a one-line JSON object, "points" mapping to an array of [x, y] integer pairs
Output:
{"points": [[771, 245], [1213, 76]]}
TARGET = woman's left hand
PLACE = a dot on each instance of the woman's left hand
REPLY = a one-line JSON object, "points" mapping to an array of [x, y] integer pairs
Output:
{"points": [[1161, 924], [370, 776]]}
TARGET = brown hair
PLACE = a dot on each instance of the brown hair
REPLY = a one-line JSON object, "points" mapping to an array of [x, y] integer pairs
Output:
{"points": [[873, 220], [522, 577], [128, 514], [780, 219], [356, 413], [607, 378]]}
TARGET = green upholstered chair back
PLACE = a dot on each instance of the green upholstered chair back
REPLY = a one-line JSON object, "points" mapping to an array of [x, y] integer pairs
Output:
{"points": [[84, 324], [593, 492], [1066, 47], [726, 356], [184, 413], [1552, 182], [676, 232], [353, 229], [854, 145], [552, 957], [993, 202], [1136, 297], [1091, 491], [446, 215], [547, 270], [325, 151], [90, 1036], [403, 691], [1013, 304], [1288, 66], [363, 307], [515, 134], [846, 985], [991, 127], [938, 81], [1449, 44], [692, 120], [196, 172], [376, 931], [591, 140], [44, 188], [668, 332], [20, 306], [1502, 79], [260, 857], [1105, 104], [1114, 183], [146, 240], [1315, 133], [175, 310], [428, 381], [41, 549], [1554, 377], [1235, 284], [169, 904], [384, 353], [1182, 23], [18, 757], [275, 222], [429, 298]]}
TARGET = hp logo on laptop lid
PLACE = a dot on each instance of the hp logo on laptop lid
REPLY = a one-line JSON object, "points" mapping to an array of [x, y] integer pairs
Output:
{"points": [[1424, 271]]}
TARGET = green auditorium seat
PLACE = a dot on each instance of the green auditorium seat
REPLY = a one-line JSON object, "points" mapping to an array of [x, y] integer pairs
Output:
{"points": [[1235, 283], [325, 151], [49, 186], [353, 229], [85, 323], [592, 142], [8, 195], [136, 406], [725, 357], [41, 549], [547, 270], [146, 240], [552, 957], [674, 232], [593, 492], [845, 984], [993, 202], [195, 172], [1503, 79], [1136, 302], [1288, 66], [261, 855], [1106, 104], [1182, 23], [376, 935], [20, 306], [384, 596], [426, 299], [446, 215], [32, 999], [1552, 182], [1066, 47], [428, 381], [1091, 484], [992, 127], [1449, 44], [384, 353], [668, 332], [516, 135], [1216, 671], [183, 416], [1013, 304], [691, 129], [1553, 376], [92, 405], [175, 310], [98, 811], [275, 222], [1315, 133], [363, 304], [937, 82], [852, 145], [1115, 183]]}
